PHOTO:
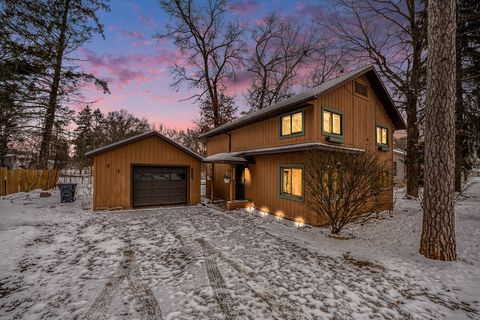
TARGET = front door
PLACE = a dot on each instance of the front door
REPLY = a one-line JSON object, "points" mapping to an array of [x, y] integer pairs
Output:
{"points": [[239, 182]]}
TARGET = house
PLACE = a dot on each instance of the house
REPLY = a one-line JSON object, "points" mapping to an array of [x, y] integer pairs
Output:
{"points": [[18, 160], [256, 160], [145, 170], [399, 169]]}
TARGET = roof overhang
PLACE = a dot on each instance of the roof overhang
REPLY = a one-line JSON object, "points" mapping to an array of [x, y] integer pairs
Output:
{"points": [[242, 157], [226, 157], [118, 144], [305, 99]]}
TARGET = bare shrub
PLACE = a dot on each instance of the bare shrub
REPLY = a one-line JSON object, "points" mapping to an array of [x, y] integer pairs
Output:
{"points": [[342, 186]]}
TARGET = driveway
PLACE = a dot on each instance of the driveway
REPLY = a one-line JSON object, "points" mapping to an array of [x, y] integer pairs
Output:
{"points": [[194, 263]]}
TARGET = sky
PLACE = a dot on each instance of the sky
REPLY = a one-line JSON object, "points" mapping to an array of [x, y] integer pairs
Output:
{"points": [[136, 64]]}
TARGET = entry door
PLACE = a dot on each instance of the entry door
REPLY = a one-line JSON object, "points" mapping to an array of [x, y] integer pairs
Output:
{"points": [[239, 182], [156, 186]]}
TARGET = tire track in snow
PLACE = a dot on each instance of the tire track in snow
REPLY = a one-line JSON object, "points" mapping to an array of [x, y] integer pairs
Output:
{"points": [[217, 282], [127, 270]]}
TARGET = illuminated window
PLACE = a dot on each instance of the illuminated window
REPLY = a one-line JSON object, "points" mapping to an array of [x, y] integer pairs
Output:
{"points": [[291, 181], [384, 179], [382, 135], [292, 124], [332, 122]]}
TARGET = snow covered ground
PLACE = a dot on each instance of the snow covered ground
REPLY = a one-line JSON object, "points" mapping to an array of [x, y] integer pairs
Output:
{"points": [[58, 261]]}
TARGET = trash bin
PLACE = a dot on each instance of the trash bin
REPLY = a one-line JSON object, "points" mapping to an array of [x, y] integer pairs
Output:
{"points": [[67, 192]]}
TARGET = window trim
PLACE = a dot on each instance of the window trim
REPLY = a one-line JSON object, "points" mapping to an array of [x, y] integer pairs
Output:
{"points": [[291, 135], [286, 196], [395, 168], [381, 146], [339, 137]]}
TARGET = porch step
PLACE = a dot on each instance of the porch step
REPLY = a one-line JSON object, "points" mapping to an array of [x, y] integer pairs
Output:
{"points": [[238, 204]]}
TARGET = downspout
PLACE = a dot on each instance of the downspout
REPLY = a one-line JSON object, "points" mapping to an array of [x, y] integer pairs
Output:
{"points": [[229, 141]]}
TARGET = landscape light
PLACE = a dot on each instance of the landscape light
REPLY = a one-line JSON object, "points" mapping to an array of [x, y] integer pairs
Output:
{"points": [[299, 222]]}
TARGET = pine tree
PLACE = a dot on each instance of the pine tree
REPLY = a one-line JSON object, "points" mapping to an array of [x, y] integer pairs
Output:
{"points": [[438, 231], [83, 136]]}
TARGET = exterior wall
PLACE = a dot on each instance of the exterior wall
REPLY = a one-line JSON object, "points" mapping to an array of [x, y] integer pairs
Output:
{"points": [[360, 116], [262, 186], [112, 171], [399, 179]]}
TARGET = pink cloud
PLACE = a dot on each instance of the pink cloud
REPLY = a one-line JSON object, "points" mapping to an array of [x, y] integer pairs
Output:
{"points": [[132, 34], [245, 7]]}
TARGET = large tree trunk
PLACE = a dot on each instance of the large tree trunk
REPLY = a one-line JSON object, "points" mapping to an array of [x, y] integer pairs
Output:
{"points": [[438, 232], [53, 97]]}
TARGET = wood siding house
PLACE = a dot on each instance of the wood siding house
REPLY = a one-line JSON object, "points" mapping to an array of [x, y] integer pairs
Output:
{"points": [[145, 170], [251, 158]]}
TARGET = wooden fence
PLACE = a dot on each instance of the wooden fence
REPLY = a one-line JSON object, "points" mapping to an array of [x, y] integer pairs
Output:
{"points": [[20, 180]]}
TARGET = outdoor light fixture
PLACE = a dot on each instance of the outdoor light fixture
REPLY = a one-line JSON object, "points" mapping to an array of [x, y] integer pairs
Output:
{"points": [[299, 222], [279, 215]]}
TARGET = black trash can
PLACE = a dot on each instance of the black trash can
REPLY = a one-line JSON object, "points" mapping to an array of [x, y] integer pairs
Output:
{"points": [[67, 192]]}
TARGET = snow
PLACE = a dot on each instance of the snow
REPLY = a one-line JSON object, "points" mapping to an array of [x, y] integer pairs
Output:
{"points": [[59, 261]]}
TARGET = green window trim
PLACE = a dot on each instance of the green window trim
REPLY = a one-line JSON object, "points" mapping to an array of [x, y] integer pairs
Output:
{"points": [[382, 146], [291, 135], [333, 137], [280, 182]]}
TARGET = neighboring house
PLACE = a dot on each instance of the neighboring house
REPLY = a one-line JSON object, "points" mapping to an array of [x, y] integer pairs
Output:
{"points": [[18, 160], [145, 170], [257, 159], [398, 171]]}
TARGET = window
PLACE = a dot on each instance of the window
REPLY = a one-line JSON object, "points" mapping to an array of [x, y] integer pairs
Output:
{"points": [[361, 89], [291, 124], [332, 125], [394, 168], [384, 180], [291, 182], [382, 136]]}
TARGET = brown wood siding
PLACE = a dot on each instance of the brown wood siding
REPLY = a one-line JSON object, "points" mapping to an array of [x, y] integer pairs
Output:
{"points": [[360, 116], [112, 171], [263, 183]]}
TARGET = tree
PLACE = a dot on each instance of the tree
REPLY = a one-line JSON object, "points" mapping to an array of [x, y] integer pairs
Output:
{"points": [[211, 46], [438, 230], [281, 48], [226, 112], [54, 30], [83, 136], [340, 186], [468, 78], [120, 125], [392, 35]]}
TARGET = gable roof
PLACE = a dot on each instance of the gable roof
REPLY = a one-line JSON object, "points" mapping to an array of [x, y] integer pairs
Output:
{"points": [[118, 144], [305, 97]]}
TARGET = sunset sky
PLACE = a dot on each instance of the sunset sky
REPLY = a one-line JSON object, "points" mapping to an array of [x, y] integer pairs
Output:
{"points": [[137, 65]]}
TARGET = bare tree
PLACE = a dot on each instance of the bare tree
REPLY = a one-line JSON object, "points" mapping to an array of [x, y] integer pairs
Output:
{"points": [[392, 35], [211, 46], [281, 48], [438, 231], [342, 186], [328, 60]]}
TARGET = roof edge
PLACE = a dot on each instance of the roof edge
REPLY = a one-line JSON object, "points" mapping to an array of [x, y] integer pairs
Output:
{"points": [[95, 152]]}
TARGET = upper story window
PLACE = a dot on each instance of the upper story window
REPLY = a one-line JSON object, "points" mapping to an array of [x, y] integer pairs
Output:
{"points": [[291, 181], [382, 137], [361, 89], [332, 125], [291, 124]]}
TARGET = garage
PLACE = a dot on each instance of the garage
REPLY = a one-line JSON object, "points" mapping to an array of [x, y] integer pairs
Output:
{"points": [[144, 171], [156, 186]]}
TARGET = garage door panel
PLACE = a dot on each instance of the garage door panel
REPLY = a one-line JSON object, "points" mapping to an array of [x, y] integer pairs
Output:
{"points": [[153, 186]]}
